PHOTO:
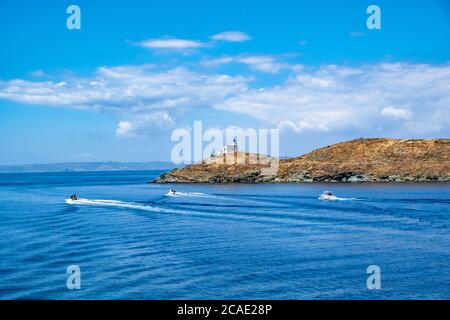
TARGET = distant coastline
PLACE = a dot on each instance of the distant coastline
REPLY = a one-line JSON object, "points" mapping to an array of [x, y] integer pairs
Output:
{"points": [[87, 167], [360, 160]]}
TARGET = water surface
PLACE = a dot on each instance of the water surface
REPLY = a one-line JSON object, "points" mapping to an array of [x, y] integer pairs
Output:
{"points": [[220, 241]]}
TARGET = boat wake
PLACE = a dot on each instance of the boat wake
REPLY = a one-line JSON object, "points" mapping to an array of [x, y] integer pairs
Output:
{"points": [[337, 199], [115, 203], [330, 196], [189, 194]]}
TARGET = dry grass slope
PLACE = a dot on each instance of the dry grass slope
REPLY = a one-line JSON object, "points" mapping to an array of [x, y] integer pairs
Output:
{"points": [[361, 160]]}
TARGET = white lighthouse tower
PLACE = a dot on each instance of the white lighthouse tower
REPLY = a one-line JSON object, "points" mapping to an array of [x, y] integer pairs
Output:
{"points": [[230, 148]]}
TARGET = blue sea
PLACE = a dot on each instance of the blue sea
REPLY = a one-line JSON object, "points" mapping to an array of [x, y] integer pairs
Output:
{"points": [[133, 241]]}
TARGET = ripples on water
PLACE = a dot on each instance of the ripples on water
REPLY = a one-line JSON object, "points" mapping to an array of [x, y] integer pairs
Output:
{"points": [[131, 240]]}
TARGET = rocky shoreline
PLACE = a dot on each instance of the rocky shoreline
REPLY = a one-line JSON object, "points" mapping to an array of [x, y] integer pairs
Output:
{"points": [[362, 160]]}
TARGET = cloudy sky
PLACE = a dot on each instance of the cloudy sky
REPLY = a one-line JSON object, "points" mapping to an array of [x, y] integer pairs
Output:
{"points": [[117, 88]]}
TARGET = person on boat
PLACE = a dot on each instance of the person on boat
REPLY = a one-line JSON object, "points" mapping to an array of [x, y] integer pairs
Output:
{"points": [[173, 191], [327, 195], [73, 197]]}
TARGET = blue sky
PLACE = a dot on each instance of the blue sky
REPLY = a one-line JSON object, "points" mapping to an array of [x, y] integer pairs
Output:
{"points": [[137, 70]]}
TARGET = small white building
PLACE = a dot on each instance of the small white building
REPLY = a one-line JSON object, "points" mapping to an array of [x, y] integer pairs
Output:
{"points": [[229, 148]]}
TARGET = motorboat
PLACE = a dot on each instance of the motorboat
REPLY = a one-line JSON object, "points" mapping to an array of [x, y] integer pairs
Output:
{"points": [[328, 196]]}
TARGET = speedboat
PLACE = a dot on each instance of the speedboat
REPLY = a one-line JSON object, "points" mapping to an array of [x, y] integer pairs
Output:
{"points": [[72, 199], [327, 196]]}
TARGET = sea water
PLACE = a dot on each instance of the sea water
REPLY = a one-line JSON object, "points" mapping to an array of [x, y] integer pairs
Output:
{"points": [[133, 240]]}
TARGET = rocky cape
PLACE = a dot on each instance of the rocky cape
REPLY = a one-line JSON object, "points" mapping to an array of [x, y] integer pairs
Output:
{"points": [[361, 160]]}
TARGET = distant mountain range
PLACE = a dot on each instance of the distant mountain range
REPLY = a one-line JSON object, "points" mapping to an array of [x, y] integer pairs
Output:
{"points": [[88, 166]]}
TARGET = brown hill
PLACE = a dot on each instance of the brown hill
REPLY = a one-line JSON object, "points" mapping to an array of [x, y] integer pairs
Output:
{"points": [[368, 160]]}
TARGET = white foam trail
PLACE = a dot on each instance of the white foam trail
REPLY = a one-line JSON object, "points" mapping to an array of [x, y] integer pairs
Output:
{"points": [[116, 203], [189, 194], [345, 199], [216, 197], [132, 205], [334, 198]]}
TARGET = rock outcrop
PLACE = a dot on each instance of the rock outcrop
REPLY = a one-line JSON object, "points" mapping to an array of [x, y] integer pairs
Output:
{"points": [[362, 160]]}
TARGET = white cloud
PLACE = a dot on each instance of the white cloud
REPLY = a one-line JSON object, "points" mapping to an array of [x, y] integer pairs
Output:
{"points": [[177, 44], [332, 97], [396, 113], [261, 63], [142, 124], [232, 36], [138, 96], [128, 88], [172, 44], [124, 128], [392, 97]]}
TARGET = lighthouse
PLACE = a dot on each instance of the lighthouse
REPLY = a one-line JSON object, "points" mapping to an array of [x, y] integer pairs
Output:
{"points": [[230, 148]]}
